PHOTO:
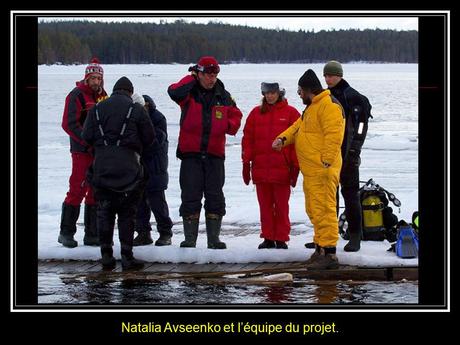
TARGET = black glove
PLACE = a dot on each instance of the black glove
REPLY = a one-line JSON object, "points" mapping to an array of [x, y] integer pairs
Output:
{"points": [[353, 158]]}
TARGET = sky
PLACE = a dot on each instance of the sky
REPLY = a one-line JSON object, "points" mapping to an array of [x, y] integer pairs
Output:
{"points": [[287, 23]]}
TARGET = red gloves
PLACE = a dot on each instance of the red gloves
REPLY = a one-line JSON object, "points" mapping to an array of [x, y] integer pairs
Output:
{"points": [[246, 173], [294, 174]]}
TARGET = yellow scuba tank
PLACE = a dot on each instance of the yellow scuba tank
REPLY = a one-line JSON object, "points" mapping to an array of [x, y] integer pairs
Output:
{"points": [[372, 207]]}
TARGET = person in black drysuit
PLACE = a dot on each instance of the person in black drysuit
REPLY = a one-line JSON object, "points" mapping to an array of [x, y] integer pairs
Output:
{"points": [[119, 130], [357, 112], [155, 159]]}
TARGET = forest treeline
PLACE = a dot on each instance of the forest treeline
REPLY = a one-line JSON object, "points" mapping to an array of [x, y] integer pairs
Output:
{"points": [[75, 42]]}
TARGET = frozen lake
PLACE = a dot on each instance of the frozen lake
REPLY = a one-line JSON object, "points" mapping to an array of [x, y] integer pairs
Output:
{"points": [[389, 156]]}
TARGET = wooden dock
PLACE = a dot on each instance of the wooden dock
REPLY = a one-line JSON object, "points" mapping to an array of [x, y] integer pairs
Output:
{"points": [[215, 272]]}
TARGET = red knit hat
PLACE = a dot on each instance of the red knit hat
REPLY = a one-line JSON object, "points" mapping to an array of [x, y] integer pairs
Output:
{"points": [[208, 64], [94, 67]]}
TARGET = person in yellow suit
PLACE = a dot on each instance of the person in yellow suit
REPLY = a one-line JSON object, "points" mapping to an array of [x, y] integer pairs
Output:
{"points": [[318, 136]]}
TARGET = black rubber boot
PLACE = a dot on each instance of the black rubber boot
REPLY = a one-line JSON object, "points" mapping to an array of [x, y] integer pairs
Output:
{"points": [[128, 261], [163, 240], [107, 261], [354, 244], [281, 245], [267, 244], [69, 217], [143, 239], [91, 237], [213, 227], [191, 224], [310, 245]]}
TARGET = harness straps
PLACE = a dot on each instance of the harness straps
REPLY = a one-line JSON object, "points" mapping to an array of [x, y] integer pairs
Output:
{"points": [[123, 128]]}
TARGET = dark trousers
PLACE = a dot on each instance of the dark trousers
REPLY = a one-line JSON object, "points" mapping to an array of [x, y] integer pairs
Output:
{"points": [[112, 204], [154, 202], [349, 187], [200, 176]]}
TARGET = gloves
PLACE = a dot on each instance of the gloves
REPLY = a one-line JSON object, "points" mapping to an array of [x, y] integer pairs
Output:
{"points": [[194, 71], [246, 173], [294, 174], [353, 158]]}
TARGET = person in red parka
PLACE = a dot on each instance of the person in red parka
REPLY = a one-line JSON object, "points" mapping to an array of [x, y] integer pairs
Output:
{"points": [[272, 172], [208, 114], [78, 102]]}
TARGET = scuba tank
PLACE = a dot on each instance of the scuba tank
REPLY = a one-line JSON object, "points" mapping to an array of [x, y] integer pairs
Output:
{"points": [[378, 217], [372, 207]]}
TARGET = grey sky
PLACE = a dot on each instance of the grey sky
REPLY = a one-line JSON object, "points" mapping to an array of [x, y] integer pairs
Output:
{"points": [[279, 22]]}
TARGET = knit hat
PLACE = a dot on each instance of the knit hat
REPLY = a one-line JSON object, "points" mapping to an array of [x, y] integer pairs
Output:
{"points": [[124, 84], [309, 80], [208, 64], [333, 68], [138, 99], [94, 67], [272, 87]]}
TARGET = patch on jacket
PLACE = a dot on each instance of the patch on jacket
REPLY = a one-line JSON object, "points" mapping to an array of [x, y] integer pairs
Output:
{"points": [[218, 114]]}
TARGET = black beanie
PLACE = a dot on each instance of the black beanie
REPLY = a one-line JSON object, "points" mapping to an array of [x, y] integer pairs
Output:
{"points": [[309, 80], [124, 84]]}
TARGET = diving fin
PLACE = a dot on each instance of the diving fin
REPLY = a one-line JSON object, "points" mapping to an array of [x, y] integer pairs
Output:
{"points": [[407, 243]]}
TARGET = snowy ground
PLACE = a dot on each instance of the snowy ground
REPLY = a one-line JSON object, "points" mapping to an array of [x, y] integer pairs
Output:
{"points": [[390, 157]]}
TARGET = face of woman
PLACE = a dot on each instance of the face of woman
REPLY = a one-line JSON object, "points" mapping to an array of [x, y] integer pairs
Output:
{"points": [[271, 97]]}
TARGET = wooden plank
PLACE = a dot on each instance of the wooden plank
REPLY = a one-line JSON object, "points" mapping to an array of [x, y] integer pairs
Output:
{"points": [[408, 273], [215, 270], [163, 268], [344, 274]]}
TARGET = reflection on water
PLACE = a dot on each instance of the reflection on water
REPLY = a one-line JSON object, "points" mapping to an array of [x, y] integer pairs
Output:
{"points": [[66, 289]]}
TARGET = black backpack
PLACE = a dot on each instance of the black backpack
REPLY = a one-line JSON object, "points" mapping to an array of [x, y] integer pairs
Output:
{"points": [[116, 168]]}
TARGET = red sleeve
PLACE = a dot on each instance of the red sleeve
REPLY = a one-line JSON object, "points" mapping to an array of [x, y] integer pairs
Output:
{"points": [[247, 142], [234, 120], [179, 92], [71, 118]]}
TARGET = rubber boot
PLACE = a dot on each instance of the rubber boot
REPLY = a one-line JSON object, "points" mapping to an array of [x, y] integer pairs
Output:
{"points": [[69, 217], [107, 260], [213, 224], [191, 224], [281, 245], [354, 244], [128, 261], [164, 239], [267, 244], [91, 237], [143, 238], [310, 245]]}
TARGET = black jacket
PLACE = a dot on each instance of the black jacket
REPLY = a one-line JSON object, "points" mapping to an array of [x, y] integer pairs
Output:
{"points": [[357, 110], [138, 134], [117, 167], [156, 156]]}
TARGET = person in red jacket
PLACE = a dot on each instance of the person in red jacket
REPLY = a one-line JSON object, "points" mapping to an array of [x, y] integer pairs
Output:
{"points": [[272, 172], [78, 102], [208, 113]]}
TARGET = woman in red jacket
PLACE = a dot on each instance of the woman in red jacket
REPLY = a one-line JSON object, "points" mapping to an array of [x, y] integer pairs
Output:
{"points": [[272, 172]]}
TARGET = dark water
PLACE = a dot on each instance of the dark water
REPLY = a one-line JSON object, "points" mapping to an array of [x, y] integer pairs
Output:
{"points": [[68, 289]]}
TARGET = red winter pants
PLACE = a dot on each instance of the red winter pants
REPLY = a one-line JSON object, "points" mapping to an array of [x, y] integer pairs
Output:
{"points": [[274, 210], [78, 187]]}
